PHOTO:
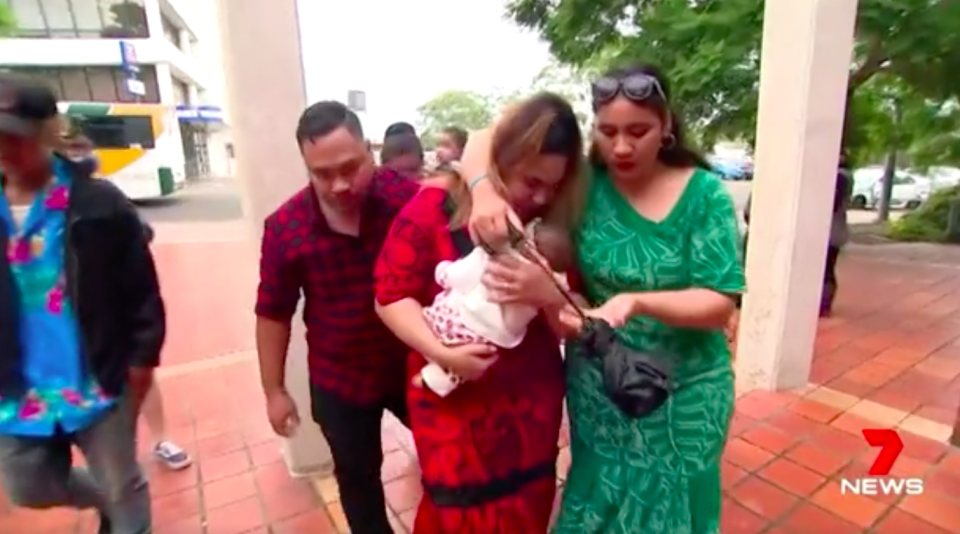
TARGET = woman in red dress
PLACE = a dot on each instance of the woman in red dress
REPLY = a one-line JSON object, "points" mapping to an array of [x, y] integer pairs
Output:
{"points": [[488, 450]]}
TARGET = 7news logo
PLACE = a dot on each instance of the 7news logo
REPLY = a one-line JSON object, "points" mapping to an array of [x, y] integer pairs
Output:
{"points": [[879, 481]]}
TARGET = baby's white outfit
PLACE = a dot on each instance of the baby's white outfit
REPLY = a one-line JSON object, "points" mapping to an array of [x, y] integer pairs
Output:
{"points": [[462, 313]]}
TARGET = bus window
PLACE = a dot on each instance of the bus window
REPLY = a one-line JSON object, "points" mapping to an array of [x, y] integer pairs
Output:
{"points": [[117, 131]]}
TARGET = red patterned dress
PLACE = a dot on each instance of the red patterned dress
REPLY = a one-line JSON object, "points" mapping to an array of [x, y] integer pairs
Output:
{"points": [[488, 451]]}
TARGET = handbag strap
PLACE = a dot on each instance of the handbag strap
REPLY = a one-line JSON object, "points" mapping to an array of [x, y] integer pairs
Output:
{"points": [[523, 246]]}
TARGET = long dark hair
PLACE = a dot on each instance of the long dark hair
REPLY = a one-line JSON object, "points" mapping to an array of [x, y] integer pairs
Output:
{"points": [[677, 154]]}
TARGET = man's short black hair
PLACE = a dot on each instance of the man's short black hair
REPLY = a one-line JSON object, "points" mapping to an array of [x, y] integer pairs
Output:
{"points": [[322, 118], [398, 145], [399, 128]]}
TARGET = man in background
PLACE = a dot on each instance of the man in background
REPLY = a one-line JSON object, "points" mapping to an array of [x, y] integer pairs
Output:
{"points": [[403, 153], [399, 128]]}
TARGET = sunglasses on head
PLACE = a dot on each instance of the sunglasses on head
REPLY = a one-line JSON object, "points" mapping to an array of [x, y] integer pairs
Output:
{"points": [[635, 87]]}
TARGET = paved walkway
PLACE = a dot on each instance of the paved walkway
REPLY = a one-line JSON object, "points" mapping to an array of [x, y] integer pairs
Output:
{"points": [[890, 357]]}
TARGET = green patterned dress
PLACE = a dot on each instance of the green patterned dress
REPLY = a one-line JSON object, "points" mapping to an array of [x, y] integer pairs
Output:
{"points": [[659, 474]]}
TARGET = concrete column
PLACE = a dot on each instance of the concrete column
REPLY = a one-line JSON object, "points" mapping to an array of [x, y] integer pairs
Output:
{"points": [[154, 19], [266, 94], [807, 50], [193, 95], [165, 84], [184, 42]]}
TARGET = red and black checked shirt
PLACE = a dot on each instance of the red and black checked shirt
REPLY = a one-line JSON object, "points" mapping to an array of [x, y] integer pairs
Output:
{"points": [[351, 353]]}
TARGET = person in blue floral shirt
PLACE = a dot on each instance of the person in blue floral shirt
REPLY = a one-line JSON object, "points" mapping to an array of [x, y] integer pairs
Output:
{"points": [[82, 323]]}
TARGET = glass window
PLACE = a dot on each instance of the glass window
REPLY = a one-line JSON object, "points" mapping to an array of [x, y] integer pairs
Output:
{"points": [[86, 14], [181, 93], [103, 85], [170, 31], [30, 22], [113, 131], [47, 75], [76, 86], [59, 18], [95, 84], [123, 18], [148, 75]]}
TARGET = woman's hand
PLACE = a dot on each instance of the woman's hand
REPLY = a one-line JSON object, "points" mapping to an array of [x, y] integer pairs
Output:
{"points": [[490, 216], [490, 212], [509, 279], [733, 325], [618, 310], [570, 322], [469, 362]]}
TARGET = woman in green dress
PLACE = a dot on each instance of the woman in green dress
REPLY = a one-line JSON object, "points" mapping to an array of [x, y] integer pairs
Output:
{"points": [[657, 248]]}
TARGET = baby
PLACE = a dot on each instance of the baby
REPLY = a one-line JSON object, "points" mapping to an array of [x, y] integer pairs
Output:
{"points": [[462, 313]]}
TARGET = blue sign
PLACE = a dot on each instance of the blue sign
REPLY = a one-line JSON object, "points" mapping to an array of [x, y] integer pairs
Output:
{"points": [[128, 57], [206, 114]]}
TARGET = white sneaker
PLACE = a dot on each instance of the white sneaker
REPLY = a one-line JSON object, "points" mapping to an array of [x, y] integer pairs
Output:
{"points": [[171, 455]]}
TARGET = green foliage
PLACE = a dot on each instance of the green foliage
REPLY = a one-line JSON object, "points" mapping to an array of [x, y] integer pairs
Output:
{"points": [[472, 110], [466, 109], [8, 22], [928, 222], [569, 83], [888, 114], [711, 51]]}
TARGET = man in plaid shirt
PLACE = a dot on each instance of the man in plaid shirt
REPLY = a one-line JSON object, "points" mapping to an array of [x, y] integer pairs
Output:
{"points": [[324, 242]]}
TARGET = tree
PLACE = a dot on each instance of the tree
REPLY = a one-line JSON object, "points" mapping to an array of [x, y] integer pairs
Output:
{"points": [[711, 48], [8, 22], [570, 83], [129, 20], [453, 107]]}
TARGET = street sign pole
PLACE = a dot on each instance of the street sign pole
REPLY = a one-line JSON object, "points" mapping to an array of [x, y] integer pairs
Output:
{"points": [[128, 62]]}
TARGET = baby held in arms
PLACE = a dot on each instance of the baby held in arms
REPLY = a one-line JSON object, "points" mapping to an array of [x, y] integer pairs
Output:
{"points": [[462, 313]]}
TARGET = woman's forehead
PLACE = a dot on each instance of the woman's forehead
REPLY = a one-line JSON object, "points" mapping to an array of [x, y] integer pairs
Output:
{"points": [[622, 111]]}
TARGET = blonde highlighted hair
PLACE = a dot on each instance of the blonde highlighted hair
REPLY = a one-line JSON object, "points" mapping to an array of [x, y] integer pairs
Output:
{"points": [[544, 124]]}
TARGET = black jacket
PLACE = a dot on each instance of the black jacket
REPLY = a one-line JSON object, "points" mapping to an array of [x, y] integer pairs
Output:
{"points": [[111, 283]]}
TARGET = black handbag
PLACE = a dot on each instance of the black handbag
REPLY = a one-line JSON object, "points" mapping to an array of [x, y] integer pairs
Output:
{"points": [[638, 382]]}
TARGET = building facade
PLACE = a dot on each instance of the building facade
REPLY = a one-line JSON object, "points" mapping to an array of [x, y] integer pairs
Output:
{"points": [[78, 47]]}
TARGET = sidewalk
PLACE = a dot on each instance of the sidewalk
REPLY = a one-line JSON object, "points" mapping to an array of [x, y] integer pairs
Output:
{"points": [[890, 357]]}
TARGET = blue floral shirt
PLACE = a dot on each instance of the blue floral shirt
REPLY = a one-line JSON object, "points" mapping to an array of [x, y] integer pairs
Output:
{"points": [[59, 390]]}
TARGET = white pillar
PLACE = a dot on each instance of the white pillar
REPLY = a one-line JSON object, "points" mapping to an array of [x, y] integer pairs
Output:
{"points": [[154, 19], [266, 95], [184, 42], [165, 84], [805, 65]]}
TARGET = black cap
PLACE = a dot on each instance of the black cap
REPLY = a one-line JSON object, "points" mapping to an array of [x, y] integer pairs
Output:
{"points": [[25, 104]]}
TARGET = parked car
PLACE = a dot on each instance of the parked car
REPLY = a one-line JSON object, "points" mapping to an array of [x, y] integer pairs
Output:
{"points": [[942, 177], [729, 169], [863, 181], [909, 191]]}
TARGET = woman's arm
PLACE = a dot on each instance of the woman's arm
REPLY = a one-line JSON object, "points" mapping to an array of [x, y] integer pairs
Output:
{"points": [[686, 308], [405, 319], [404, 274], [490, 213], [404, 271]]}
